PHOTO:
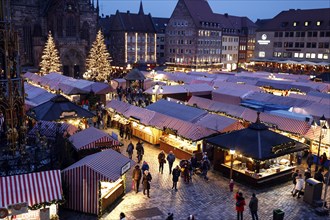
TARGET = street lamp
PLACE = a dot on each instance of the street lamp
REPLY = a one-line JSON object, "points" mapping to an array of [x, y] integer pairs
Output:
{"points": [[156, 90], [323, 131], [231, 152]]}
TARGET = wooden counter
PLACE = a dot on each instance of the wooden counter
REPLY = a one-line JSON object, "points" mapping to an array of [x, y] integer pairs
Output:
{"points": [[180, 154], [269, 179], [112, 196]]}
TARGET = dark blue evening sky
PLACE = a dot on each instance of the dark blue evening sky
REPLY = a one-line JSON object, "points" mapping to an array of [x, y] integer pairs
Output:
{"points": [[252, 9]]}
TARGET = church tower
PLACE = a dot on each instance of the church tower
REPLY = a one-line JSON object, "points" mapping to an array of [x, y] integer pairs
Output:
{"points": [[12, 113]]}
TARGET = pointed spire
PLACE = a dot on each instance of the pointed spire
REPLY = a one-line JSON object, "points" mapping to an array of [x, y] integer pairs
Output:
{"points": [[141, 12], [93, 3], [97, 5]]}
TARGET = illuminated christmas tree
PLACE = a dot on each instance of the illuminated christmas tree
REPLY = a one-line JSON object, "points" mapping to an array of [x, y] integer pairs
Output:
{"points": [[50, 60], [98, 62]]}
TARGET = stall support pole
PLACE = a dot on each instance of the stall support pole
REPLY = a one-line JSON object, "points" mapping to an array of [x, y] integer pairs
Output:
{"points": [[318, 152], [231, 165]]}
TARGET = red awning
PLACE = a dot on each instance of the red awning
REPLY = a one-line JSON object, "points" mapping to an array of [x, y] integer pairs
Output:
{"points": [[33, 188]]}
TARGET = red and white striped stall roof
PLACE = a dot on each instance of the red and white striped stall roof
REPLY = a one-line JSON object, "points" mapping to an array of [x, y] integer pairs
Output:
{"points": [[86, 139], [33, 188]]}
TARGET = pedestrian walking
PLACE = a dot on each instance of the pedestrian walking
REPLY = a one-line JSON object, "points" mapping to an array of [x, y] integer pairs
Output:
{"points": [[122, 216], [231, 185], [205, 167], [240, 203], [176, 174], [323, 159], [310, 160], [137, 175], [170, 158], [191, 217], [146, 182], [128, 132], [121, 130], [130, 149], [140, 151], [186, 171], [299, 157], [253, 205], [161, 161], [299, 186], [294, 180], [145, 166]]}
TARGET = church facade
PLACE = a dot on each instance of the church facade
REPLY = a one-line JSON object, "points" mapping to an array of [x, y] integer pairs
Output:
{"points": [[73, 24]]}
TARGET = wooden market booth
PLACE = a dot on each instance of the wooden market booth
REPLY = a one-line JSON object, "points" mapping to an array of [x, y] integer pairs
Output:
{"points": [[32, 196], [96, 181], [257, 155]]}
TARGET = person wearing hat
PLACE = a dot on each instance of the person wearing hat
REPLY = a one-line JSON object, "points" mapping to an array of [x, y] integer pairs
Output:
{"points": [[137, 174], [308, 174], [146, 182]]}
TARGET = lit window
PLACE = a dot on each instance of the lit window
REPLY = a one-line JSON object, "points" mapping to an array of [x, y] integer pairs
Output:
{"points": [[325, 56], [318, 23], [306, 23], [319, 56], [308, 55], [313, 55], [301, 55], [294, 24], [262, 54], [296, 55]]}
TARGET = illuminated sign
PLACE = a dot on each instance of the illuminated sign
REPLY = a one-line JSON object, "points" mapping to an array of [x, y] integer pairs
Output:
{"points": [[264, 40], [125, 168], [68, 114]]}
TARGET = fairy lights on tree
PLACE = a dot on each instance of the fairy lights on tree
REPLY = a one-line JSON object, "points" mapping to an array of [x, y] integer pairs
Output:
{"points": [[50, 60], [98, 61]]}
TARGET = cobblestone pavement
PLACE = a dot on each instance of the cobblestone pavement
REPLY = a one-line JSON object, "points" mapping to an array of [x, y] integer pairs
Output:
{"points": [[204, 199]]}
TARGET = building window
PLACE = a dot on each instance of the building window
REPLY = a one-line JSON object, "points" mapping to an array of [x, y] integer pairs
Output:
{"points": [[70, 27], [319, 56], [313, 55], [318, 23], [308, 55], [294, 24], [262, 54], [325, 56], [306, 23], [296, 55], [301, 55]]}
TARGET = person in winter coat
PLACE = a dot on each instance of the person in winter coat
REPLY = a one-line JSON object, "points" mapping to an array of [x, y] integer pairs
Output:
{"points": [[319, 176], [310, 159], [170, 158], [299, 186], [146, 182], [194, 164], [240, 203], [294, 177], [137, 174], [140, 151], [145, 166], [253, 205], [176, 175], [161, 161], [308, 174], [130, 148]]}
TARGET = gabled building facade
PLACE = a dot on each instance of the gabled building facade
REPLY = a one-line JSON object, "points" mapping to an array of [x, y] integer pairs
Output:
{"points": [[72, 23], [295, 35], [197, 38], [131, 38]]}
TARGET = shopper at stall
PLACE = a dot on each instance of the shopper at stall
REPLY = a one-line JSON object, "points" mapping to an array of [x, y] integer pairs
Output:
{"points": [[170, 158], [294, 179], [176, 175], [240, 203], [253, 205], [130, 148], [299, 157], [299, 186], [121, 130], [146, 182], [161, 161], [137, 174], [140, 151], [128, 132], [205, 167], [122, 216], [186, 172], [231, 185], [310, 160]]}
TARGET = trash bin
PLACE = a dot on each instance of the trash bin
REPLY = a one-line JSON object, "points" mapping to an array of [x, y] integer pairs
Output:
{"points": [[313, 191], [278, 214]]}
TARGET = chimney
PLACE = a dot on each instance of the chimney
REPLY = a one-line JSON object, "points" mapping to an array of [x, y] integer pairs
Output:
{"points": [[127, 11], [226, 15]]}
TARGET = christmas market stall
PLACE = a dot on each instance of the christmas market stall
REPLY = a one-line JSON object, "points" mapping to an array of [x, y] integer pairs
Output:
{"points": [[33, 196], [96, 181], [255, 155], [61, 109], [93, 140]]}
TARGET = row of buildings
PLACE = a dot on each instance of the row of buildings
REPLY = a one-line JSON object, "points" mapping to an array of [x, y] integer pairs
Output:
{"points": [[194, 37]]}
